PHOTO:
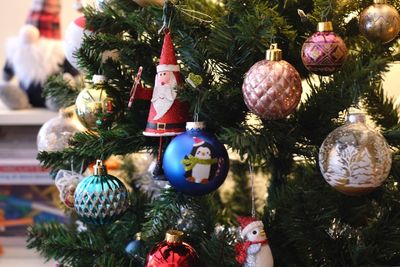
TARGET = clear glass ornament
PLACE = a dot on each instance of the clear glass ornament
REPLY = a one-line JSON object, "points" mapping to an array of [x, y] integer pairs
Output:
{"points": [[55, 134], [355, 159]]}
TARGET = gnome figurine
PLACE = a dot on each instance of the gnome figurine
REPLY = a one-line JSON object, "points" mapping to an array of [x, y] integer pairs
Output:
{"points": [[37, 52], [167, 116], [254, 251]]}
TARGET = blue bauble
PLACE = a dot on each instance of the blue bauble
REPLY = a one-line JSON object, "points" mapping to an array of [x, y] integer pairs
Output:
{"points": [[195, 162], [133, 248], [100, 198]]}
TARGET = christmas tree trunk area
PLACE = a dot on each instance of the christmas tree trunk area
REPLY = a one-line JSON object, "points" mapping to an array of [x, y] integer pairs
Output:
{"points": [[333, 196]]}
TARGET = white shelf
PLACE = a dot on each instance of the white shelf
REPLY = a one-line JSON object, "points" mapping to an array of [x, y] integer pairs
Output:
{"points": [[34, 116], [17, 255]]}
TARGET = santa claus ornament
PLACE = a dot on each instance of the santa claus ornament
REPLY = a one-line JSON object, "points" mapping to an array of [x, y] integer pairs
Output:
{"points": [[195, 162], [380, 22], [324, 52], [167, 116], [254, 251], [272, 87], [355, 159], [172, 252]]}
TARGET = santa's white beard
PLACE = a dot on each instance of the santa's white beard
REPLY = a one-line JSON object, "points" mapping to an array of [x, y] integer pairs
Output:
{"points": [[163, 97]]}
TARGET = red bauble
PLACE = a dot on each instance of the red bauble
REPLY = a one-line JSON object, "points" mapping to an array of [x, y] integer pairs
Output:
{"points": [[172, 252], [324, 52], [272, 87]]}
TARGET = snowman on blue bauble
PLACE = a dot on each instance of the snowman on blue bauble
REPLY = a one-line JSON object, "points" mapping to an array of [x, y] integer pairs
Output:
{"points": [[195, 162]]}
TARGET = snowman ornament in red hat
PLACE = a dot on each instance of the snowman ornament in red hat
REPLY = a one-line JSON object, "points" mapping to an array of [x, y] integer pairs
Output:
{"points": [[254, 251]]}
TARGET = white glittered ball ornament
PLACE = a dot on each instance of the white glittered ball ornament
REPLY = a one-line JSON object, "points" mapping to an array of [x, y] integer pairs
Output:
{"points": [[355, 159]]}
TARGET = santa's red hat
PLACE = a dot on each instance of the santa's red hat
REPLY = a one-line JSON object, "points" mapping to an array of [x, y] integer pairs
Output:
{"points": [[45, 15], [168, 60], [198, 141], [247, 224]]}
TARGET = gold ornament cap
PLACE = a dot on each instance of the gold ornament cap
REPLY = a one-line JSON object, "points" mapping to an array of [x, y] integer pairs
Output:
{"points": [[99, 168], [174, 236], [99, 79], [325, 26], [355, 117], [67, 112], [194, 125], [380, 2], [138, 236], [274, 53]]}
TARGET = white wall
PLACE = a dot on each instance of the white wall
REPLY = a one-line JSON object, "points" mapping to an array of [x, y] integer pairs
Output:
{"points": [[392, 82]]}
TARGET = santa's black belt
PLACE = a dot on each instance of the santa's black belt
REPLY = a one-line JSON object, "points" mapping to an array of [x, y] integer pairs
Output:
{"points": [[164, 126]]}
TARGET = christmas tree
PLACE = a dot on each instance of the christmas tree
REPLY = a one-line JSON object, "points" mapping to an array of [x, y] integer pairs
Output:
{"points": [[307, 221]]}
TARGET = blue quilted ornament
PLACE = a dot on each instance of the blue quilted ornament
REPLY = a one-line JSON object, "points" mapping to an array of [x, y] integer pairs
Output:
{"points": [[195, 162], [100, 198]]}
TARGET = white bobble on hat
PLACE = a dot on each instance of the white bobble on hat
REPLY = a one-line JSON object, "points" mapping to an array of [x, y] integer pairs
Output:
{"points": [[29, 34]]}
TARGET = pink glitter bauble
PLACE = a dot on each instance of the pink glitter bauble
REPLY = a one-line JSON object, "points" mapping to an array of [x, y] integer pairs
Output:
{"points": [[324, 53], [272, 89]]}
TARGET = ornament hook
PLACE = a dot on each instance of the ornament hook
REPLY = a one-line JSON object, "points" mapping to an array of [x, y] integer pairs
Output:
{"points": [[253, 204], [99, 168], [72, 164], [167, 16], [194, 84], [274, 53]]}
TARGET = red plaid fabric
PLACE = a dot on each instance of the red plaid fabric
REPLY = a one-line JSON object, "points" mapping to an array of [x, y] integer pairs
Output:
{"points": [[47, 23], [45, 15], [49, 6]]}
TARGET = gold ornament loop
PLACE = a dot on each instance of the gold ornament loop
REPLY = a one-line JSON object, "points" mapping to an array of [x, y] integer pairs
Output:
{"points": [[356, 117], [274, 53], [99, 168], [67, 112], [174, 236], [194, 125], [99, 79], [380, 1], [325, 26]]}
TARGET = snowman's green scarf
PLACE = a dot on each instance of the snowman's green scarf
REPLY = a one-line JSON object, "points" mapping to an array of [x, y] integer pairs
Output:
{"points": [[191, 161]]}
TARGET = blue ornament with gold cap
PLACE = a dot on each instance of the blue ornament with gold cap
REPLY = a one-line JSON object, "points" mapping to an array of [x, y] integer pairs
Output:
{"points": [[195, 162], [100, 198]]}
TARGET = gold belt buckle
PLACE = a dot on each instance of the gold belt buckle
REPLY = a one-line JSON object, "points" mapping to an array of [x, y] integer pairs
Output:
{"points": [[161, 126]]}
